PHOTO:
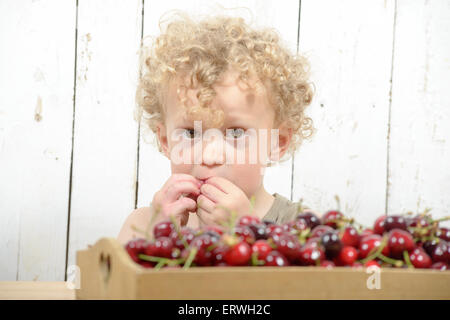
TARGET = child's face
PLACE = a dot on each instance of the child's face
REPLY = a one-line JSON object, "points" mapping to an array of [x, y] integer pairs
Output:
{"points": [[243, 109]]}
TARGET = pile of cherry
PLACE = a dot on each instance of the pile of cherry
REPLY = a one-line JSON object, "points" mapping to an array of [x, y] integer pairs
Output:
{"points": [[402, 241]]}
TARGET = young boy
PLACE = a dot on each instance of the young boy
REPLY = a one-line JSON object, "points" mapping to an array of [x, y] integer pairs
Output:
{"points": [[213, 91]]}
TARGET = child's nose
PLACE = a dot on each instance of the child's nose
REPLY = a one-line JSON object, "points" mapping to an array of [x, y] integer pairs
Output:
{"points": [[213, 153]]}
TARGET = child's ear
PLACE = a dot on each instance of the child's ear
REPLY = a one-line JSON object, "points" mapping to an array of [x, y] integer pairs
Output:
{"points": [[284, 140], [162, 138]]}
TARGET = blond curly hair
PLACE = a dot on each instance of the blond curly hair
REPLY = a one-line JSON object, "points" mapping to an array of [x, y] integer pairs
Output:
{"points": [[202, 51]]}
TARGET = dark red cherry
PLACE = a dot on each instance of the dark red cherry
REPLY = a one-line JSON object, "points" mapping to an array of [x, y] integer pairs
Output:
{"points": [[332, 244], [218, 254], [309, 219], [163, 229], [259, 230], [136, 247], [311, 254], [420, 259], [331, 218], [185, 233], [439, 266], [320, 230], [275, 259], [287, 245], [245, 233], [441, 252], [246, 220], [443, 233], [164, 247], [398, 241], [430, 245], [395, 222]]}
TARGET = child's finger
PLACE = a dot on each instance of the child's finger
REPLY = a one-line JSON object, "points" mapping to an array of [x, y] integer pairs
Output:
{"points": [[181, 206], [178, 177], [222, 184], [205, 203], [204, 216], [212, 192], [175, 191]]}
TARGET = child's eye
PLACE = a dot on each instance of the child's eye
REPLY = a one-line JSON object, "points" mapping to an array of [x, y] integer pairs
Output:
{"points": [[190, 133], [235, 133]]}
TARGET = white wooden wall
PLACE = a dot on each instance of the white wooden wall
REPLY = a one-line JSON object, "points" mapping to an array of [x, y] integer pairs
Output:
{"points": [[74, 163]]}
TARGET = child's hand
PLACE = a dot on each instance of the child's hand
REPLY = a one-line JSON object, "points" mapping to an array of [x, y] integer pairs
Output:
{"points": [[171, 199], [218, 193]]}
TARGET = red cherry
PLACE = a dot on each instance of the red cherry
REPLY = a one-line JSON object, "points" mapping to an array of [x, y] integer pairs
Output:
{"points": [[310, 253], [350, 237], [203, 242], [239, 254], [146, 264], [216, 229], [439, 266], [395, 222], [443, 233], [358, 265], [135, 247], [287, 245], [185, 233], [332, 244], [309, 219], [327, 264], [163, 247], [378, 226], [274, 230], [330, 218], [369, 244], [262, 249], [245, 234], [259, 230], [398, 241], [420, 259], [163, 229], [372, 263], [298, 225], [218, 255], [246, 220], [441, 252], [366, 232], [320, 230], [347, 256], [275, 259]]}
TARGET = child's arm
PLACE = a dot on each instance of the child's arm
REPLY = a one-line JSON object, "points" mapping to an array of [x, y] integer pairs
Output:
{"points": [[140, 218]]}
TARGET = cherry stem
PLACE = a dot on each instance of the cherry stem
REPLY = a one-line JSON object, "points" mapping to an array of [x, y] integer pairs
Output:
{"points": [[441, 219], [338, 201], [179, 235], [255, 261], [407, 260], [375, 252], [397, 263], [190, 258]]}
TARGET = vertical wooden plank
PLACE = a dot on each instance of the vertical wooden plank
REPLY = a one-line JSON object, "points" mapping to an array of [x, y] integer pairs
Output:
{"points": [[37, 56], [349, 44], [154, 168], [419, 171], [105, 141]]}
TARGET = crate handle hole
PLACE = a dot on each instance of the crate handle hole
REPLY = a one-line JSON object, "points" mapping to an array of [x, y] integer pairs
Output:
{"points": [[105, 266]]}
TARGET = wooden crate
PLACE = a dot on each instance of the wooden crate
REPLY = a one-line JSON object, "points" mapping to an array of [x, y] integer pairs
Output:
{"points": [[124, 279]]}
